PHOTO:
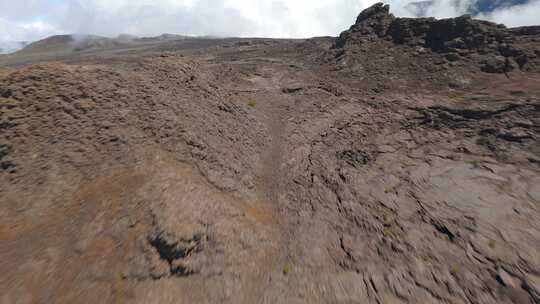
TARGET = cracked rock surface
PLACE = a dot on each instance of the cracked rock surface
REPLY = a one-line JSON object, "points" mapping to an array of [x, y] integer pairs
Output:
{"points": [[369, 168]]}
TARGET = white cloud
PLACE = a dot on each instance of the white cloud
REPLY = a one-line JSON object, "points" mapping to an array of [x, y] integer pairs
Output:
{"points": [[269, 18], [12, 34], [447, 9], [35, 19], [25, 31], [519, 15]]}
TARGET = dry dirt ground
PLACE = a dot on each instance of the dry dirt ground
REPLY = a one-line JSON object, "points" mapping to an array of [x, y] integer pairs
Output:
{"points": [[269, 171]]}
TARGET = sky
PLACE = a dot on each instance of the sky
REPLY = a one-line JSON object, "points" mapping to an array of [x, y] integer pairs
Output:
{"points": [[30, 20]]}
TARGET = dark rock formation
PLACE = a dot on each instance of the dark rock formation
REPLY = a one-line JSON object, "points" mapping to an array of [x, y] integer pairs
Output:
{"points": [[372, 22], [493, 45]]}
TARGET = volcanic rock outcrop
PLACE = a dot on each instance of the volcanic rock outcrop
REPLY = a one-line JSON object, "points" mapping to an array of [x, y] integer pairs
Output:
{"points": [[491, 46]]}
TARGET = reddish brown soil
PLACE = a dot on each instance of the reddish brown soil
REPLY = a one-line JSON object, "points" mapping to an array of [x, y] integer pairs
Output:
{"points": [[269, 171]]}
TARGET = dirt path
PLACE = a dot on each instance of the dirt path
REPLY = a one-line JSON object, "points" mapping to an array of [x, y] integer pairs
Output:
{"points": [[270, 108]]}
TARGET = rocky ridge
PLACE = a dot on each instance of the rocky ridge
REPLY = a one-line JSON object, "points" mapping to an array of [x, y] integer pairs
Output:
{"points": [[492, 47]]}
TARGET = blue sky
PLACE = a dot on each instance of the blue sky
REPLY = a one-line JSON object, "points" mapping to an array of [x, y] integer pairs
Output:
{"points": [[35, 19]]}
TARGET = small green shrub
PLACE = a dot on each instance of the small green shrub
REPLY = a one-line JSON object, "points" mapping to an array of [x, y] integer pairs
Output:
{"points": [[475, 163], [407, 124], [286, 269], [387, 232], [252, 104], [456, 95]]}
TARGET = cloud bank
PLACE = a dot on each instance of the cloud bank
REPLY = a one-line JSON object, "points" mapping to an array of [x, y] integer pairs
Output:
{"points": [[29, 20]]}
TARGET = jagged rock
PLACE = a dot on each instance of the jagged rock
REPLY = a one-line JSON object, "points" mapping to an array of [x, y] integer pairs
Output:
{"points": [[462, 32], [372, 22], [452, 57], [495, 64], [410, 31], [463, 35]]}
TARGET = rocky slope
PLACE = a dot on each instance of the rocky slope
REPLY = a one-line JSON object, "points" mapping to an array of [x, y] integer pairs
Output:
{"points": [[388, 165]]}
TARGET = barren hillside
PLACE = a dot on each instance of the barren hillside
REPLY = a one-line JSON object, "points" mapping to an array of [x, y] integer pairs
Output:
{"points": [[396, 163]]}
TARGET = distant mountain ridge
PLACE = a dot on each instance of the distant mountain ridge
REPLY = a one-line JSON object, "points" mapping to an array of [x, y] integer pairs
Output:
{"points": [[11, 46], [78, 43], [420, 8], [70, 43]]}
